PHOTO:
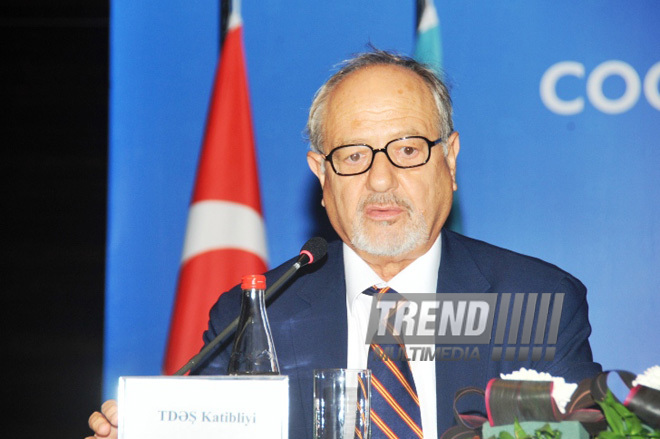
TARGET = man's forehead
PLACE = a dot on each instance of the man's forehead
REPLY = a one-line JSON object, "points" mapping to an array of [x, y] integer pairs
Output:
{"points": [[390, 99], [370, 77]]}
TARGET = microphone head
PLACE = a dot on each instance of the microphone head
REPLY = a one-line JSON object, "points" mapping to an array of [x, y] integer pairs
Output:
{"points": [[313, 250]]}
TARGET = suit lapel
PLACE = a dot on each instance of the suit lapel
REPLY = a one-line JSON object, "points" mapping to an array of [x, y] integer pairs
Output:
{"points": [[321, 321], [458, 271]]}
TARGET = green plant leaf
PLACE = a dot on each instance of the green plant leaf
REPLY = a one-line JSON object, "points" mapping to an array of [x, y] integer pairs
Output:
{"points": [[634, 424], [610, 435], [623, 424], [518, 430], [546, 432], [614, 419], [542, 432]]}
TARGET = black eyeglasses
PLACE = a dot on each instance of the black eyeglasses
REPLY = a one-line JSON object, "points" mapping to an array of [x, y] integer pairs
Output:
{"points": [[406, 152]]}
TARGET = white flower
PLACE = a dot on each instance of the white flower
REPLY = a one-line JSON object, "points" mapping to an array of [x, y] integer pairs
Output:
{"points": [[561, 390], [650, 378]]}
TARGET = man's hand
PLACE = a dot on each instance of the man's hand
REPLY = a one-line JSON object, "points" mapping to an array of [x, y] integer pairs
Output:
{"points": [[104, 423]]}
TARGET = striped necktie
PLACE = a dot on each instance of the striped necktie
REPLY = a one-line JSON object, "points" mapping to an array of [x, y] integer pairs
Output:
{"points": [[394, 404]]}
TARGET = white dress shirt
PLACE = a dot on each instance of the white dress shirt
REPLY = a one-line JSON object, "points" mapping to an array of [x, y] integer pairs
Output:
{"points": [[421, 276]]}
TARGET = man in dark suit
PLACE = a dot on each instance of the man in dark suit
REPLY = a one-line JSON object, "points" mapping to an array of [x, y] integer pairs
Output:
{"points": [[389, 210], [309, 323]]}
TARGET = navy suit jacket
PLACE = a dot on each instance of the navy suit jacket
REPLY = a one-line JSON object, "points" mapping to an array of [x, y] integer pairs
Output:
{"points": [[309, 326]]}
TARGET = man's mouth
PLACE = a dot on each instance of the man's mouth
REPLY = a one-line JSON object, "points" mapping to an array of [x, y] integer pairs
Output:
{"points": [[383, 213]]}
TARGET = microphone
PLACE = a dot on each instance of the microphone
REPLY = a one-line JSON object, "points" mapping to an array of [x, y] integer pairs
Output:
{"points": [[312, 251]]}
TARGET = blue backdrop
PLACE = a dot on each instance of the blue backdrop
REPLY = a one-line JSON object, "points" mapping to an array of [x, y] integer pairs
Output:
{"points": [[557, 103]]}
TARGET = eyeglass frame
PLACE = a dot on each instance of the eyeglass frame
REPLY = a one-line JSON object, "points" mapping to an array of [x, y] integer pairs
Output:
{"points": [[430, 143]]}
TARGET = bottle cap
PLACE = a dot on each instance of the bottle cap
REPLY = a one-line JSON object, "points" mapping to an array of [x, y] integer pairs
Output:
{"points": [[256, 281]]}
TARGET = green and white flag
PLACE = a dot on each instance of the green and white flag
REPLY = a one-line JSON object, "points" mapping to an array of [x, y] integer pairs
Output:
{"points": [[428, 50], [429, 41]]}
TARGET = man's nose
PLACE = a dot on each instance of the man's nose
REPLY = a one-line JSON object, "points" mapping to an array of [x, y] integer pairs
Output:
{"points": [[382, 175]]}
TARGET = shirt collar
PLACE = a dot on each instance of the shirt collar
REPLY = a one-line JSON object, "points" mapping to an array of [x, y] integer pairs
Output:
{"points": [[421, 276]]}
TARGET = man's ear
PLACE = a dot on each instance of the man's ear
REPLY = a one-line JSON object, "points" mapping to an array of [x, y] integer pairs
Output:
{"points": [[315, 162], [453, 146]]}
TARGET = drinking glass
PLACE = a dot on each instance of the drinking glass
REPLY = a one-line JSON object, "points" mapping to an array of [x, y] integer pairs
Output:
{"points": [[342, 404]]}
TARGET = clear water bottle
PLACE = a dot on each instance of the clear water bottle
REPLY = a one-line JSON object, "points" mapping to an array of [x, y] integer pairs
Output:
{"points": [[254, 351]]}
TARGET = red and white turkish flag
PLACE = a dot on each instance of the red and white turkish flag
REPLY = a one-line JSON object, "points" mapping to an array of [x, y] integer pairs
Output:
{"points": [[225, 235]]}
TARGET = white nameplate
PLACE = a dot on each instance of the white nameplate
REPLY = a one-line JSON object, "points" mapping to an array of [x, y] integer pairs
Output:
{"points": [[204, 407]]}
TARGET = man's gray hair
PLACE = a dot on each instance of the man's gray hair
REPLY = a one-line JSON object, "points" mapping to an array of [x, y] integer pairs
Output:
{"points": [[378, 57]]}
